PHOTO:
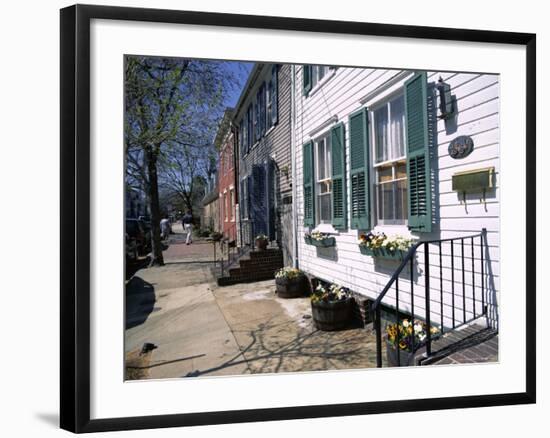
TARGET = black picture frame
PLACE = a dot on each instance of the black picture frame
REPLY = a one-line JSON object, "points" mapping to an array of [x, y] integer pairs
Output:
{"points": [[75, 217]]}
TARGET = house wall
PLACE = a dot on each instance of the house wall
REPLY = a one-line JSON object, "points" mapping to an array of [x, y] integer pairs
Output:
{"points": [[273, 148], [477, 104], [226, 187], [211, 215]]}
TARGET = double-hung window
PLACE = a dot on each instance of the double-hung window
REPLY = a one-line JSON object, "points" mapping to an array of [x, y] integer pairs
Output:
{"points": [[269, 105], [318, 72], [323, 177], [390, 161], [232, 203], [250, 130], [243, 199], [225, 207]]}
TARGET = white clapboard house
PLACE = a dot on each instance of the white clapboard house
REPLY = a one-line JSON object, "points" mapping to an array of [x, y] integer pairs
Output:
{"points": [[391, 151]]}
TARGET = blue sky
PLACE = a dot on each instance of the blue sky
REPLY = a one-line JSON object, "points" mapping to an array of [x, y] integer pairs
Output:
{"points": [[241, 70]]}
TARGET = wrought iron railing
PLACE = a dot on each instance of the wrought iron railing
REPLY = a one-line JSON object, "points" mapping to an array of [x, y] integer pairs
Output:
{"points": [[458, 315]]}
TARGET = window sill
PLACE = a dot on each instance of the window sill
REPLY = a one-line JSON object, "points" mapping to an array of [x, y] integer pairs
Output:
{"points": [[326, 228], [400, 229], [268, 131]]}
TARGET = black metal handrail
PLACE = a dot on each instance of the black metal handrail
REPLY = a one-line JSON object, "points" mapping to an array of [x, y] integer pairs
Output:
{"points": [[409, 259]]}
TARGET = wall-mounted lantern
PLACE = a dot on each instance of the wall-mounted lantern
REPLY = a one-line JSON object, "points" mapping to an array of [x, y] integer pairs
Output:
{"points": [[445, 99]]}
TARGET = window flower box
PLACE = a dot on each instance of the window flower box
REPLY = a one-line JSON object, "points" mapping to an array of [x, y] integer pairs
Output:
{"points": [[319, 239], [382, 253], [379, 245]]}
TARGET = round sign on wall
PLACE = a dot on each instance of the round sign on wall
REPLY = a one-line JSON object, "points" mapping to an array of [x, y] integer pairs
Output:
{"points": [[461, 147]]}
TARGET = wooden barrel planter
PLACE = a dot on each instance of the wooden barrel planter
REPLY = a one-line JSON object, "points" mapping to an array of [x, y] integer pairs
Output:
{"points": [[261, 244], [292, 287], [331, 316], [406, 358]]}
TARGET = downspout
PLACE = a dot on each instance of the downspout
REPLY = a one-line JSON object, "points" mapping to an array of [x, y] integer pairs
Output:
{"points": [[293, 165]]}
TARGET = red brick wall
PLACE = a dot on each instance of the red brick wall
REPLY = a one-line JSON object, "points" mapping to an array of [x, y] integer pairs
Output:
{"points": [[226, 184]]}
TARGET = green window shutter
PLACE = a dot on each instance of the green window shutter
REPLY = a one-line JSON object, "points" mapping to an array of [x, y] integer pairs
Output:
{"points": [[339, 201], [418, 158], [275, 96], [359, 170], [307, 79], [309, 185]]}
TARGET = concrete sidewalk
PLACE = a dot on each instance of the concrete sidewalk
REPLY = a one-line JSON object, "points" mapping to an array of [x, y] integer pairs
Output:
{"points": [[201, 329], [177, 312], [200, 250]]}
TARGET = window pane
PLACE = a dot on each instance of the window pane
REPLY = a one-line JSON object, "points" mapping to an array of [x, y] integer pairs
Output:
{"points": [[325, 187], [385, 174], [401, 201], [380, 132], [321, 70], [397, 122], [325, 207], [328, 153], [401, 170], [321, 165], [385, 201]]}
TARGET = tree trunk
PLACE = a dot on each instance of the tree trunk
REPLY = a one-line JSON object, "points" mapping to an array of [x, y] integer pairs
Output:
{"points": [[157, 258]]}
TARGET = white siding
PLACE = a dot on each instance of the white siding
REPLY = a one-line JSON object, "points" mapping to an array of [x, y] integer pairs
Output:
{"points": [[477, 103]]}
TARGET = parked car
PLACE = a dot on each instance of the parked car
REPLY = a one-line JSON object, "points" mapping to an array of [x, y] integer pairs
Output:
{"points": [[140, 232], [131, 248]]}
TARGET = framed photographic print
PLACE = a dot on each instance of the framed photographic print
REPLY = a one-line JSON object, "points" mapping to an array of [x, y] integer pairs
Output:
{"points": [[269, 218]]}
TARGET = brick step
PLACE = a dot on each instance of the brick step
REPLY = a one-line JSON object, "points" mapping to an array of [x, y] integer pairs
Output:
{"points": [[270, 252], [461, 340], [227, 281], [234, 272], [259, 263]]}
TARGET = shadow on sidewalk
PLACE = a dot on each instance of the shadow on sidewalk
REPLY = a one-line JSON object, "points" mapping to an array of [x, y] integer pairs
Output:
{"points": [[271, 350], [140, 301]]}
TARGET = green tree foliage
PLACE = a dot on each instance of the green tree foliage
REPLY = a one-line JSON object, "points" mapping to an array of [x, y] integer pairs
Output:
{"points": [[172, 107]]}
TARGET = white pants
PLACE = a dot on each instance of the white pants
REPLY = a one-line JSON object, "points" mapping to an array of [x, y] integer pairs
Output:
{"points": [[188, 229]]}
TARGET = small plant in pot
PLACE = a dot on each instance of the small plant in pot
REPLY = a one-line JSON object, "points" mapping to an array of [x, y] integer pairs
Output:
{"points": [[291, 283], [404, 339], [331, 307], [261, 241]]}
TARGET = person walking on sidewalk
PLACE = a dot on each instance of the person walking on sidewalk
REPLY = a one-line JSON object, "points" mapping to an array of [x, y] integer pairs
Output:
{"points": [[165, 227], [187, 222]]}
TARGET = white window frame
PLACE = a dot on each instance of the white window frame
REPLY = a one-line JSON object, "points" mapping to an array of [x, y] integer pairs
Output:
{"points": [[328, 168], [391, 94], [330, 72], [232, 203], [224, 204]]}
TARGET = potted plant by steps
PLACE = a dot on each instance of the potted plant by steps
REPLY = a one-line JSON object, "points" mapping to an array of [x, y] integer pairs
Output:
{"points": [[316, 238], [378, 244], [291, 283], [261, 241], [405, 339], [331, 307]]}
